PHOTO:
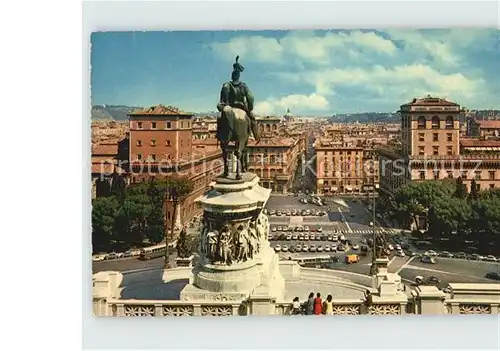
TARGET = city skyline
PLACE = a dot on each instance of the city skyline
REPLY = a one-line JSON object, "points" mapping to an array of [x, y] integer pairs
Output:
{"points": [[310, 72]]}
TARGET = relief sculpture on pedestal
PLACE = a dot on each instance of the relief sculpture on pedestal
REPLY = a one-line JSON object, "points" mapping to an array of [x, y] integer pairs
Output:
{"points": [[233, 241]]}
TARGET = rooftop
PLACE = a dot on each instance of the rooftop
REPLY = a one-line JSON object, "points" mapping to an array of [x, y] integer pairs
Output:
{"points": [[274, 142], [430, 101], [160, 110], [473, 143], [489, 124]]}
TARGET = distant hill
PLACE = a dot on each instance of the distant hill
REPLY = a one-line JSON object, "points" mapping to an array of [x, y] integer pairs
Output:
{"points": [[365, 117], [114, 112]]}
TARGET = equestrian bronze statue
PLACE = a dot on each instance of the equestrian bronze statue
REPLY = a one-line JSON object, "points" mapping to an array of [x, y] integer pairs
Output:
{"points": [[236, 120]]}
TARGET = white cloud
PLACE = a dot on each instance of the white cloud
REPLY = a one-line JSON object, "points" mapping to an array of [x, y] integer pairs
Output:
{"points": [[389, 65], [255, 48], [295, 102], [418, 77], [304, 46]]}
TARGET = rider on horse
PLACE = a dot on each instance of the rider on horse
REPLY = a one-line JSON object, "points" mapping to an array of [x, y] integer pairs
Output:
{"points": [[236, 94]]}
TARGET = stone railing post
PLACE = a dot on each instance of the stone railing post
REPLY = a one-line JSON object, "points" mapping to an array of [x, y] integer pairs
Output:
{"points": [[429, 300], [261, 305], [105, 287]]}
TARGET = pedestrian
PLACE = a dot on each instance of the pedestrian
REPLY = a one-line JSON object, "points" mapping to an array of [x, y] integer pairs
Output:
{"points": [[368, 299], [310, 304], [296, 306], [329, 305], [318, 304]]}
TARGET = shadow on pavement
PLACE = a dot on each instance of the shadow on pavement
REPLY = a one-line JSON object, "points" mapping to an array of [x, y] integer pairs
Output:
{"points": [[150, 286]]}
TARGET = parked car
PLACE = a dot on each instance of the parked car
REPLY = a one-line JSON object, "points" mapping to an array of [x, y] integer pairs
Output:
{"points": [[312, 237], [461, 255], [490, 258], [446, 254], [327, 248], [273, 229], [295, 237], [400, 253], [285, 248], [289, 237], [277, 248], [355, 247], [305, 248]]}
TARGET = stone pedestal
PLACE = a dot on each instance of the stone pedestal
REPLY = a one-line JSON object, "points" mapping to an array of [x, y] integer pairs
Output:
{"points": [[235, 258]]}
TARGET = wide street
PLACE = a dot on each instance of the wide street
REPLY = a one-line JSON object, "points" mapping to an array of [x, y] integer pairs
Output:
{"points": [[355, 227]]}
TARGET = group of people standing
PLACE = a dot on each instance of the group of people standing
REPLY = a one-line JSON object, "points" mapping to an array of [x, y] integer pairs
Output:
{"points": [[317, 306]]}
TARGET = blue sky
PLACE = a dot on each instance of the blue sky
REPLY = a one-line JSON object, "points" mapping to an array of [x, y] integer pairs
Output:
{"points": [[310, 72]]}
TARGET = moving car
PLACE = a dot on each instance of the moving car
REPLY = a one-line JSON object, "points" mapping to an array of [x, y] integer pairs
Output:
{"points": [[493, 276], [428, 259], [351, 259], [400, 253]]}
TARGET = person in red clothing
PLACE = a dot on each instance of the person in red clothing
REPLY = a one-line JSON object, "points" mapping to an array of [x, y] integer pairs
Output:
{"points": [[318, 304]]}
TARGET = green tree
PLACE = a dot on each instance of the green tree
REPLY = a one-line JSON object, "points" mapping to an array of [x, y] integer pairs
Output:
{"points": [[474, 190], [103, 220], [460, 188]]}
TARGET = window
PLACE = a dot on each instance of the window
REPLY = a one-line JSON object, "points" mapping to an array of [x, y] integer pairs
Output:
{"points": [[182, 142], [138, 143], [139, 125], [421, 150], [449, 150], [435, 150], [492, 186], [153, 142], [449, 122], [421, 122], [168, 125], [153, 125], [492, 175], [436, 175], [167, 142], [435, 122], [153, 157], [478, 175], [435, 137], [422, 175], [421, 137], [182, 124], [478, 187], [139, 156], [450, 175], [449, 137]]}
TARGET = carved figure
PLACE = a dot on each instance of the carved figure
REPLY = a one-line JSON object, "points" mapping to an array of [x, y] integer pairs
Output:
{"points": [[241, 244]]}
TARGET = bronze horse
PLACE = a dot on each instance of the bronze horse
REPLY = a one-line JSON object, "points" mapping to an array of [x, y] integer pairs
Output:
{"points": [[234, 126]]}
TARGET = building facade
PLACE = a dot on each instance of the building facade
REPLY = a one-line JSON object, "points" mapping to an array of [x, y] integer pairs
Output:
{"points": [[161, 146], [275, 161], [431, 148], [345, 167]]}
